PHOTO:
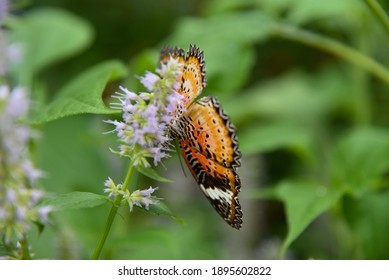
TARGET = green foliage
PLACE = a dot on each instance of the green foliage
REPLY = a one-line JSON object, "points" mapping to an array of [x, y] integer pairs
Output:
{"points": [[151, 173], [271, 137], [83, 94], [159, 208], [361, 159], [368, 217], [79, 200], [75, 200], [304, 202], [47, 36]]}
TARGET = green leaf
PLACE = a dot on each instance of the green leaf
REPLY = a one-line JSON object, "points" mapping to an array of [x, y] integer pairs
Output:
{"points": [[304, 202], [70, 147], [75, 200], [151, 173], [275, 136], [3, 249], [47, 36], [83, 94], [360, 159], [159, 208], [305, 11], [368, 218]]}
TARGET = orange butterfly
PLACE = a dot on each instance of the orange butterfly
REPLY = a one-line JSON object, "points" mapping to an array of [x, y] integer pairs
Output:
{"points": [[207, 138]]}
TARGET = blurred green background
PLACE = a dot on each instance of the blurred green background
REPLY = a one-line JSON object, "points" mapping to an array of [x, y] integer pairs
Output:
{"points": [[306, 84]]}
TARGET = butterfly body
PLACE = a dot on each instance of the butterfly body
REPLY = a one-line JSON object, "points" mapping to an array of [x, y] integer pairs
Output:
{"points": [[207, 138]]}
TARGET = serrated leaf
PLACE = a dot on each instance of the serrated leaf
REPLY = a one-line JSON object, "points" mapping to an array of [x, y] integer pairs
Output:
{"points": [[151, 173], [48, 35], [304, 202], [75, 200], [84, 93]]}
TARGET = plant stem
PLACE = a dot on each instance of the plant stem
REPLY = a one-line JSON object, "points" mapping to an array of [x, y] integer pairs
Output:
{"points": [[112, 214], [25, 252], [379, 12], [334, 47]]}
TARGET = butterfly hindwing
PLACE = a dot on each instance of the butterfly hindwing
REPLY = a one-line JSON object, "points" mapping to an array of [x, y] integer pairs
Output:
{"points": [[212, 132], [209, 147]]}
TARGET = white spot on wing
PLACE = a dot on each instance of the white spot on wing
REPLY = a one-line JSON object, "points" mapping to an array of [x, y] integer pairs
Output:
{"points": [[217, 194]]}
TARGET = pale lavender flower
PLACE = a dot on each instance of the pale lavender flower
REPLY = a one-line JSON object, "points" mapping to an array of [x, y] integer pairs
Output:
{"points": [[142, 198], [18, 103], [43, 213], [149, 80], [19, 197], [10, 54], [3, 53], [144, 131], [3, 9], [169, 70], [111, 188], [138, 197], [14, 135], [32, 174]]}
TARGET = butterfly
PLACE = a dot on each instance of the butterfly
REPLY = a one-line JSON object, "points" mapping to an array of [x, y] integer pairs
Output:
{"points": [[206, 136]]}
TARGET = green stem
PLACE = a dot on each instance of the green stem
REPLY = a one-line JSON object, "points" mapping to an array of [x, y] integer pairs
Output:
{"points": [[334, 47], [379, 12], [112, 214], [25, 252]]}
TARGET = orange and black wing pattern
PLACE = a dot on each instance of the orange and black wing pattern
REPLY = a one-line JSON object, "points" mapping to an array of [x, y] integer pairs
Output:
{"points": [[207, 138]]}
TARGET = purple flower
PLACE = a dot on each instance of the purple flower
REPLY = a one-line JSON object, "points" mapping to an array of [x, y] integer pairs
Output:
{"points": [[142, 198], [138, 197], [111, 188], [147, 116], [3, 9], [43, 213], [32, 174], [19, 196], [9, 53], [18, 103], [149, 80]]}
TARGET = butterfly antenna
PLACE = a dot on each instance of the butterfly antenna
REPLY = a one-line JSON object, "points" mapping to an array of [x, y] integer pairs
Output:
{"points": [[176, 145]]}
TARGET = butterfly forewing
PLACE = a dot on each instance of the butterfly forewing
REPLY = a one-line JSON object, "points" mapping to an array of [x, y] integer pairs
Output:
{"points": [[193, 77]]}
